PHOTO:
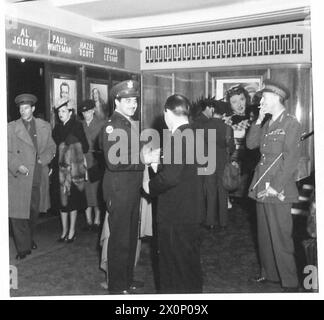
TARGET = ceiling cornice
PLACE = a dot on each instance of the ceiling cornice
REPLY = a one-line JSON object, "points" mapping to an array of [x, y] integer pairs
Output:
{"points": [[280, 16]]}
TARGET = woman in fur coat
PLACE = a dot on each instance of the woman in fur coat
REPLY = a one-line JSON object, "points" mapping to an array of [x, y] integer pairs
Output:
{"points": [[72, 144]]}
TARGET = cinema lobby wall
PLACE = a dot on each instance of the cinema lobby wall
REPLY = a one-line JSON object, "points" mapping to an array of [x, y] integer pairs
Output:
{"points": [[42, 47], [198, 64]]}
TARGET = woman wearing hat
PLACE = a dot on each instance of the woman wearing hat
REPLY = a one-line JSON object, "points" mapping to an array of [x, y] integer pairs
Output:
{"points": [[92, 126], [239, 120], [72, 144]]}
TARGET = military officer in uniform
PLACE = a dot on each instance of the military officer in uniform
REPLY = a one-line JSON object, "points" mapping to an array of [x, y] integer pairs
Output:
{"points": [[273, 185], [121, 187], [30, 150]]}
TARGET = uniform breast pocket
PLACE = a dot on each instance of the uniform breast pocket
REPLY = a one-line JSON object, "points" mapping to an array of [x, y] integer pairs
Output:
{"points": [[276, 143]]}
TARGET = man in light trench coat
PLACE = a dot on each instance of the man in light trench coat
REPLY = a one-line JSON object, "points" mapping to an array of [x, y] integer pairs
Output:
{"points": [[30, 150]]}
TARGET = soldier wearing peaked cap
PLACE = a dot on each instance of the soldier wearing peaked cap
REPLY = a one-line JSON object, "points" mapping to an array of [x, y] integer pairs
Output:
{"points": [[30, 150], [273, 185], [26, 98], [121, 186], [126, 89]]}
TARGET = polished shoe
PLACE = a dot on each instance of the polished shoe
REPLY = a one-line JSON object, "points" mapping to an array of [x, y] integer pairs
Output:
{"points": [[34, 245], [261, 279], [104, 285], [62, 239], [291, 289], [96, 227], [70, 240], [136, 285], [88, 227], [22, 255], [210, 227], [119, 292]]}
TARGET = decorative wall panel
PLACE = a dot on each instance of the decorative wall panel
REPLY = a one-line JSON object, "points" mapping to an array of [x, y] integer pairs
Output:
{"points": [[271, 44]]}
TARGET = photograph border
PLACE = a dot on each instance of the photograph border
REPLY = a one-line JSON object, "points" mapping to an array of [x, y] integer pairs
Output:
{"points": [[61, 76], [219, 82], [90, 80]]}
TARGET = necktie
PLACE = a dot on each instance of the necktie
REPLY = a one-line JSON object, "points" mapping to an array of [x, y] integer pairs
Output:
{"points": [[28, 126]]}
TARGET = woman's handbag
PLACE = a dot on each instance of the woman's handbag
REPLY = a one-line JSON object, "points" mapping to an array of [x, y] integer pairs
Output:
{"points": [[231, 176]]}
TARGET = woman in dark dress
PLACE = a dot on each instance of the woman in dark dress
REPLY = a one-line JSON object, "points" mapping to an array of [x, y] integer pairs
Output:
{"points": [[72, 144]]}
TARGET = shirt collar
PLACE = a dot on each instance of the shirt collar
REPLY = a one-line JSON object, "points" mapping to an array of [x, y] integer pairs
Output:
{"points": [[277, 116]]}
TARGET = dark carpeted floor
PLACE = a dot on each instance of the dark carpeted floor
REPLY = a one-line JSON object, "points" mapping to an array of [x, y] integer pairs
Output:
{"points": [[229, 260]]}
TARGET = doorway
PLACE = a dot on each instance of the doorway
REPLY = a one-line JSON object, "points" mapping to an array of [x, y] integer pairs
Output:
{"points": [[25, 76]]}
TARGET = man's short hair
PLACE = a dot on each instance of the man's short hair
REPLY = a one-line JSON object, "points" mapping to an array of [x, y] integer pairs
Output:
{"points": [[178, 104]]}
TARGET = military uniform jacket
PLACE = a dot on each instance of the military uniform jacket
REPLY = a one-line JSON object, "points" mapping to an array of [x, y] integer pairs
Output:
{"points": [[283, 136], [123, 177]]}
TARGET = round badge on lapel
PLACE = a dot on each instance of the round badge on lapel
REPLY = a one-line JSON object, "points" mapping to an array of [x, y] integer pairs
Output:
{"points": [[109, 129]]}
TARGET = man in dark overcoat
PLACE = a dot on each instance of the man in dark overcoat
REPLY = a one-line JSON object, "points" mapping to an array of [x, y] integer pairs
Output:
{"points": [[273, 185], [30, 150], [215, 195], [179, 205], [121, 186]]}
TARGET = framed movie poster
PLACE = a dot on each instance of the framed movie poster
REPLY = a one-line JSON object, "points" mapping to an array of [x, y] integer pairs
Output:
{"points": [[221, 85], [64, 87], [98, 92]]}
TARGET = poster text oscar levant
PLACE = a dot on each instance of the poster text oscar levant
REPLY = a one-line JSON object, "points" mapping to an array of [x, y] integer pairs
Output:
{"points": [[194, 142], [110, 54]]}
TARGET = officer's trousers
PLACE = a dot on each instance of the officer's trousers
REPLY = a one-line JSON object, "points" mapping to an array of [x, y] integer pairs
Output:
{"points": [[124, 225], [179, 258], [23, 229], [276, 247]]}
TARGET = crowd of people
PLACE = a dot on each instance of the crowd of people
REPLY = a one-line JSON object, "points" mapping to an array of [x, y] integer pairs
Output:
{"points": [[96, 165]]}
